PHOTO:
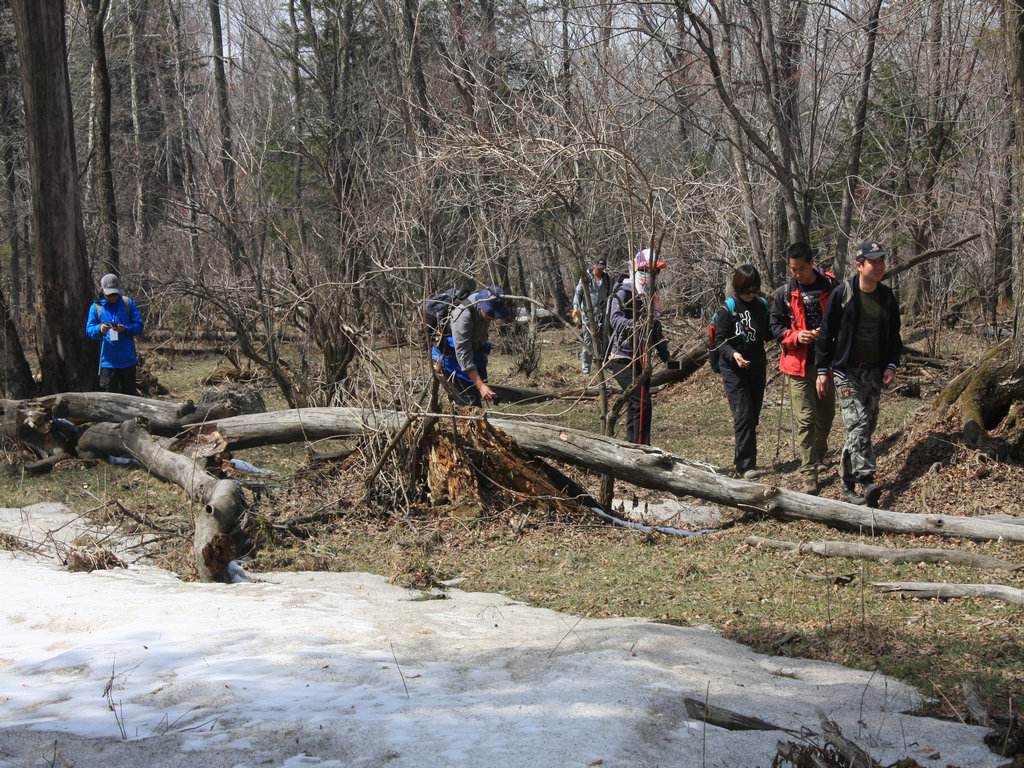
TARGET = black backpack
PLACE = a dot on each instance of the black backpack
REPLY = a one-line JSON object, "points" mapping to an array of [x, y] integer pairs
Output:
{"points": [[437, 311]]}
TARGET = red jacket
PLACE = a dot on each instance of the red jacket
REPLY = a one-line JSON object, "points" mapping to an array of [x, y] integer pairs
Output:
{"points": [[788, 318]]}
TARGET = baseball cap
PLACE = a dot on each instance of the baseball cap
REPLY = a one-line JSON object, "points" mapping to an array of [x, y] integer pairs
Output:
{"points": [[870, 250], [647, 259], [493, 303], [600, 262], [109, 284]]}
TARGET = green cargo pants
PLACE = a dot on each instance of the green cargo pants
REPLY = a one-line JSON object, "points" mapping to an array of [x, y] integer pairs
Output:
{"points": [[813, 417]]}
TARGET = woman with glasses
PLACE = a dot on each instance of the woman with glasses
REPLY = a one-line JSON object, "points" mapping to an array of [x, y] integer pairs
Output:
{"points": [[742, 328]]}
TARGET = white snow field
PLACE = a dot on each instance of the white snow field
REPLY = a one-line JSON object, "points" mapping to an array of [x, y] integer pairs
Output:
{"points": [[136, 668]]}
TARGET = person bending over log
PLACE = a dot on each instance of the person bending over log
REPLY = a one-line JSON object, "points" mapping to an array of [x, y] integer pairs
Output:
{"points": [[461, 353], [114, 321], [635, 331], [742, 325]]}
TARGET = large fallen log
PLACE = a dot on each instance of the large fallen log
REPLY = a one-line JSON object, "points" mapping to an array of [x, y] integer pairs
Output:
{"points": [[656, 469], [31, 424], [638, 464], [215, 540], [161, 417], [885, 554], [942, 591]]}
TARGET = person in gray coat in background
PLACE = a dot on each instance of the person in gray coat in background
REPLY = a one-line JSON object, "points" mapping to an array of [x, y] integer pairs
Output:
{"points": [[597, 284]]}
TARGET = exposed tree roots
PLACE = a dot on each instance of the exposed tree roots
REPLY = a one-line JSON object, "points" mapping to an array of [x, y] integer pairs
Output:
{"points": [[990, 400]]}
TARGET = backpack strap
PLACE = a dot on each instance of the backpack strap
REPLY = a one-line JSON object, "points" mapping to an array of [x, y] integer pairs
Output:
{"points": [[96, 306], [847, 293], [730, 304]]}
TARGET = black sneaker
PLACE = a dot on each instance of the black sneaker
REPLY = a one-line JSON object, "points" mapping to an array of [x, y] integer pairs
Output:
{"points": [[871, 491], [850, 496]]}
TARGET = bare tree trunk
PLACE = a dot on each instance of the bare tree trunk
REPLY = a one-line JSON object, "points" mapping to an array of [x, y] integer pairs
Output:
{"points": [[411, 20], [1002, 265], [189, 181], [137, 11], [15, 374], [740, 160], [857, 142], [108, 241], [298, 95], [227, 159], [60, 258], [1013, 24], [9, 137]]}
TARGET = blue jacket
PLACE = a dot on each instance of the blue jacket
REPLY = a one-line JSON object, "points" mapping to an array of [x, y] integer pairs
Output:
{"points": [[120, 353]]}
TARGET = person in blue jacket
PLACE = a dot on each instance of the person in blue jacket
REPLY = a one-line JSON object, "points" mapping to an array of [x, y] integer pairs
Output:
{"points": [[114, 321]]}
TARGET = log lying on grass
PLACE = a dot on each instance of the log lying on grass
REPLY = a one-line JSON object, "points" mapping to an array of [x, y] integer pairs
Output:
{"points": [[638, 464], [30, 423], [642, 465], [885, 554], [656, 469], [223, 501], [941, 591], [215, 537], [161, 417]]}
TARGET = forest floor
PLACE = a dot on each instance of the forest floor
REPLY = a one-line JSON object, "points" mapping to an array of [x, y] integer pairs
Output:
{"points": [[776, 603]]}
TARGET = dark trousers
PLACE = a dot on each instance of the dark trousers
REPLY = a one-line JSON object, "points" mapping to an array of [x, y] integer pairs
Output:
{"points": [[118, 380], [638, 423], [745, 391]]}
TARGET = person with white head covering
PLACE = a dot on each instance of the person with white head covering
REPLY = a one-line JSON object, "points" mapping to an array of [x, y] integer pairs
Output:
{"points": [[635, 332]]}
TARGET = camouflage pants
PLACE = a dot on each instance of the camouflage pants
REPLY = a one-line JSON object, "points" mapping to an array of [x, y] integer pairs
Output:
{"points": [[859, 397]]}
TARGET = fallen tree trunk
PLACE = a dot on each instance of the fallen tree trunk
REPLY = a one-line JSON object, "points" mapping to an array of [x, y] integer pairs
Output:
{"points": [[223, 501], [653, 468], [642, 465], [108, 406], [30, 423], [161, 417], [942, 591], [885, 554], [216, 526]]}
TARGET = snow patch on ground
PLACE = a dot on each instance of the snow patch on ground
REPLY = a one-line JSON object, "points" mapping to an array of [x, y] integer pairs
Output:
{"points": [[134, 667]]}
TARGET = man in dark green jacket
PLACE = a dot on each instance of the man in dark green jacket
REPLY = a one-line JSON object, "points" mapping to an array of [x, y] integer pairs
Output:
{"points": [[860, 344]]}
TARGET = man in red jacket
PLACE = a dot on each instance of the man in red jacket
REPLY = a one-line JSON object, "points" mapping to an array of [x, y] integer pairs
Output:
{"points": [[796, 315]]}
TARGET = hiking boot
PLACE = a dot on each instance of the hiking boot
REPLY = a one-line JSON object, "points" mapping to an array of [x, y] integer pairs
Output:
{"points": [[809, 484], [753, 474], [850, 496], [871, 491]]}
